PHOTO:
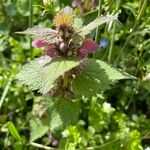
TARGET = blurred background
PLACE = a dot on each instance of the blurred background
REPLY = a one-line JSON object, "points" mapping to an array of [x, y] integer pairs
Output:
{"points": [[116, 119]]}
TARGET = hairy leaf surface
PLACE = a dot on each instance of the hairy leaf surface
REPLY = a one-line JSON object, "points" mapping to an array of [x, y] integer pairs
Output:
{"points": [[41, 73], [96, 76], [97, 22], [45, 34], [37, 128], [62, 114]]}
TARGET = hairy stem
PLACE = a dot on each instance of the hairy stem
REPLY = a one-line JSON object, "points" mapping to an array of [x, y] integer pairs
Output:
{"points": [[99, 14], [30, 20]]}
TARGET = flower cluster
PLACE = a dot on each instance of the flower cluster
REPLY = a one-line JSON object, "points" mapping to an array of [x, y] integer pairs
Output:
{"points": [[65, 46]]}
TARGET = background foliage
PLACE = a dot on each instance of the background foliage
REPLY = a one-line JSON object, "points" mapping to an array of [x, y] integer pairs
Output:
{"points": [[115, 119]]}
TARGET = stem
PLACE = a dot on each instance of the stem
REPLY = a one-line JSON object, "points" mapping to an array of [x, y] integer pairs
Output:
{"points": [[99, 14], [31, 14], [65, 83], [141, 12], [30, 21], [113, 34], [109, 6], [102, 146], [107, 51], [88, 13], [112, 43], [146, 136], [41, 146], [5, 92]]}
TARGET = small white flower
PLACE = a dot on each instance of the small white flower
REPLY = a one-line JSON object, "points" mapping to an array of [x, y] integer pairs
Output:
{"points": [[65, 133], [134, 117], [147, 148], [106, 106]]}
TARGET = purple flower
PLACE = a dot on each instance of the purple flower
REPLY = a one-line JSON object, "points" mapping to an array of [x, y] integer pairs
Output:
{"points": [[88, 46], [38, 43], [50, 49], [53, 140], [51, 52]]}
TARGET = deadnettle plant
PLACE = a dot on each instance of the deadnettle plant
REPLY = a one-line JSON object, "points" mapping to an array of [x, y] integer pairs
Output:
{"points": [[65, 71]]}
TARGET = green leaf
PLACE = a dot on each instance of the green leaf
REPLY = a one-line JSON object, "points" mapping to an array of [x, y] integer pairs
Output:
{"points": [[96, 76], [62, 114], [30, 73], [78, 23], [37, 128], [4, 27], [77, 38], [97, 22], [46, 34], [130, 8], [41, 73], [118, 26], [12, 129]]}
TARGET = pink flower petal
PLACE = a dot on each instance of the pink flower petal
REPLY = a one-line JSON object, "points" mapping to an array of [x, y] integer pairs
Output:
{"points": [[51, 52], [38, 43], [90, 46], [82, 53]]}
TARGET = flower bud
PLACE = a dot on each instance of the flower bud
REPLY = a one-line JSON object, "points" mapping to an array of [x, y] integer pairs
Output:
{"points": [[62, 47]]}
